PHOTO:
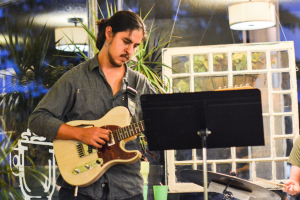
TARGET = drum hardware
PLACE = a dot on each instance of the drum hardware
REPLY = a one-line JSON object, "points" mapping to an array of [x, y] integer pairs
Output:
{"points": [[230, 186]]}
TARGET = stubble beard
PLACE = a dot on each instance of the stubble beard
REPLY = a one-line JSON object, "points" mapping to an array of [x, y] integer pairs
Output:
{"points": [[111, 59]]}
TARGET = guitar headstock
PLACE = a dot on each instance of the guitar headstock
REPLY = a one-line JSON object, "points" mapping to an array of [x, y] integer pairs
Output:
{"points": [[236, 87]]}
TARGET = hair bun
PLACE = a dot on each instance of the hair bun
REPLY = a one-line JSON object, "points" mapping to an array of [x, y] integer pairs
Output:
{"points": [[102, 22]]}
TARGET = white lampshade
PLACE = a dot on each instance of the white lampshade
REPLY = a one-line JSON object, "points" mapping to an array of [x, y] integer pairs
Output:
{"points": [[77, 34], [251, 15]]}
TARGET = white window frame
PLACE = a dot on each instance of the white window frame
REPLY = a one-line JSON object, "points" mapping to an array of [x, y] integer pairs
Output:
{"points": [[229, 49]]}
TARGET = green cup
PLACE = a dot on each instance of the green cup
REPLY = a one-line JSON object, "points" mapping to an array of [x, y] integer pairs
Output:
{"points": [[160, 192], [145, 192]]}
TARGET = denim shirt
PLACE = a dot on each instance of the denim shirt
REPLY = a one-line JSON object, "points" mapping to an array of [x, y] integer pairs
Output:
{"points": [[83, 93]]}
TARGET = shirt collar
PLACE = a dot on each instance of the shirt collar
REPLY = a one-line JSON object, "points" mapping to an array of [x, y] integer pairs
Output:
{"points": [[94, 63]]}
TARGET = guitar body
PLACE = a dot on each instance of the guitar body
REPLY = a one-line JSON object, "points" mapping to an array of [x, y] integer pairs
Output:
{"points": [[79, 165]]}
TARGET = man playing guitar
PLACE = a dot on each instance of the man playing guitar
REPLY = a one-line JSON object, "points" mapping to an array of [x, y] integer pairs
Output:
{"points": [[88, 92]]}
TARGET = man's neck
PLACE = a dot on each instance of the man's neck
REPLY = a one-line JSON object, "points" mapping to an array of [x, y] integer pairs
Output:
{"points": [[113, 75]]}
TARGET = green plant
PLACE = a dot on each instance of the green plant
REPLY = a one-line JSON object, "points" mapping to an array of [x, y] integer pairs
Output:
{"points": [[7, 191], [239, 61], [31, 75], [7, 181]]}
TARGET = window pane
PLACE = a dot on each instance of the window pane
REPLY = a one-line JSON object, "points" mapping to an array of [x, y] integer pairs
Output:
{"points": [[210, 83], [245, 79], [180, 64], [283, 147], [209, 167], [242, 152], [200, 63], [178, 168], [256, 81], [263, 151], [282, 103], [258, 60], [220, 61], [281, 170], [239, 61], [284, 125], [243, 170], [279, 59], [263, 170], [215, 154], [224, 168], [281, 81], [181, 85], [183, 155]]}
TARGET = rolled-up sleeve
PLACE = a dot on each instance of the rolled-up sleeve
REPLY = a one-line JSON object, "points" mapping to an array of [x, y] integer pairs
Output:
{"points": [[51, 112], [294, 157]]}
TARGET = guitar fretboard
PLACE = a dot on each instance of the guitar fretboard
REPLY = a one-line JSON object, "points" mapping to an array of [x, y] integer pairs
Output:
{"points": [[129, 131]]}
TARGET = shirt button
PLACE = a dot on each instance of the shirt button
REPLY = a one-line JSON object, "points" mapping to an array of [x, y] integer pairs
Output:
{"points": [[103, 185]]}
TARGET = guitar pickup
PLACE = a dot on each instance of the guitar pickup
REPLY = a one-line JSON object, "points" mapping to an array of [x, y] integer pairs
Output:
{"points": [[87, 166], [84, 149]]}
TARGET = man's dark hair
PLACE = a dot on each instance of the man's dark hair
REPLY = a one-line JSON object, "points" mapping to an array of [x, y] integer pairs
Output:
{"points": [[120, 21]]}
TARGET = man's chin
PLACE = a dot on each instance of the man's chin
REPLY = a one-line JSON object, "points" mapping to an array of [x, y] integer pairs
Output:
{"points": [[117, 64]]}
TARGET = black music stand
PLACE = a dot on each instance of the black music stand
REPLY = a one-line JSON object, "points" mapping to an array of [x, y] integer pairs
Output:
{"points": [[175, 121]]}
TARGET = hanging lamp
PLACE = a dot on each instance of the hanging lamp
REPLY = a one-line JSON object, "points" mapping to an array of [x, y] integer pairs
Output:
{"points": [[251, 15], [77, 34]]}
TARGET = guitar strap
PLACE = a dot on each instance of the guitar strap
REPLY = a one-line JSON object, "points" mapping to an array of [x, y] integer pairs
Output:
{"points": [[131, 97]]}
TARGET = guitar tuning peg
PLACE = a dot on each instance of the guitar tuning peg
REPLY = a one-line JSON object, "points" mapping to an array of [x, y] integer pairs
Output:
{"points": [[236, 86], [225, 86], [247, 84], [220, 88], [241, 85], [230, 87]]}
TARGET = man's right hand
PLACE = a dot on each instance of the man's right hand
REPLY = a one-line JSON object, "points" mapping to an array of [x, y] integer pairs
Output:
{"points": [[291, 187], [94, 136]]}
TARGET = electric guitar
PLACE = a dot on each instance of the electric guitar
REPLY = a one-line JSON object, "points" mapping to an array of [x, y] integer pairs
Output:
{"points": [[81, 164]]}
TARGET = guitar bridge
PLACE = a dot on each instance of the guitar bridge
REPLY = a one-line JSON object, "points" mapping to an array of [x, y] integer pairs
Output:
{"points": [[87, 166], [84, 149]]}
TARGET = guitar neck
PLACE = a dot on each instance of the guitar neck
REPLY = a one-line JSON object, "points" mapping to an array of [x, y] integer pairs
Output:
{"points": [[129, 131]]}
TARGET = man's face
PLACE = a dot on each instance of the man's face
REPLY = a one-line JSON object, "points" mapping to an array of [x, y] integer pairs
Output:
{"points": [[123, 45]]}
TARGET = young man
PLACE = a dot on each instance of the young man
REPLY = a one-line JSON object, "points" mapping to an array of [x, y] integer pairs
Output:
{"points": [[88, 92]]}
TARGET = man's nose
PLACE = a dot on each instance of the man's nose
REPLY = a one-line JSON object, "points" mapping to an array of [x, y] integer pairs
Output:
{"points": [[130, 50]]}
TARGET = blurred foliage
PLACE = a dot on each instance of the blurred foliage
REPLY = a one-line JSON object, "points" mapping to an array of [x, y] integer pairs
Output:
{"points": [[30, 77], [200, 63], [9, 184], [239, 61]]}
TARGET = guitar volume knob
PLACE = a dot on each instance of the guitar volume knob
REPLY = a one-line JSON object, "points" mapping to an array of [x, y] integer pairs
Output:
{"points": [[87, 166], [77, 171]]}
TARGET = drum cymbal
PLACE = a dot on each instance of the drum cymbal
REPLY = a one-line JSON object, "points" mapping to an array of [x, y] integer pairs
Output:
{"points": [[255, 191]]}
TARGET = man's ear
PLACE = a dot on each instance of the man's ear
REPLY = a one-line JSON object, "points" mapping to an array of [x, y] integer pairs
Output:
{"points": [[108, 33]]}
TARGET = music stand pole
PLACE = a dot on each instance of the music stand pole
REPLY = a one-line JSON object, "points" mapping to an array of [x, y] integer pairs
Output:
{"points": [[204, 134]]}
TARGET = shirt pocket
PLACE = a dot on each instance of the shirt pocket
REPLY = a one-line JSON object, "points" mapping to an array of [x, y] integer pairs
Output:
{"points": [[91, 103]]}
